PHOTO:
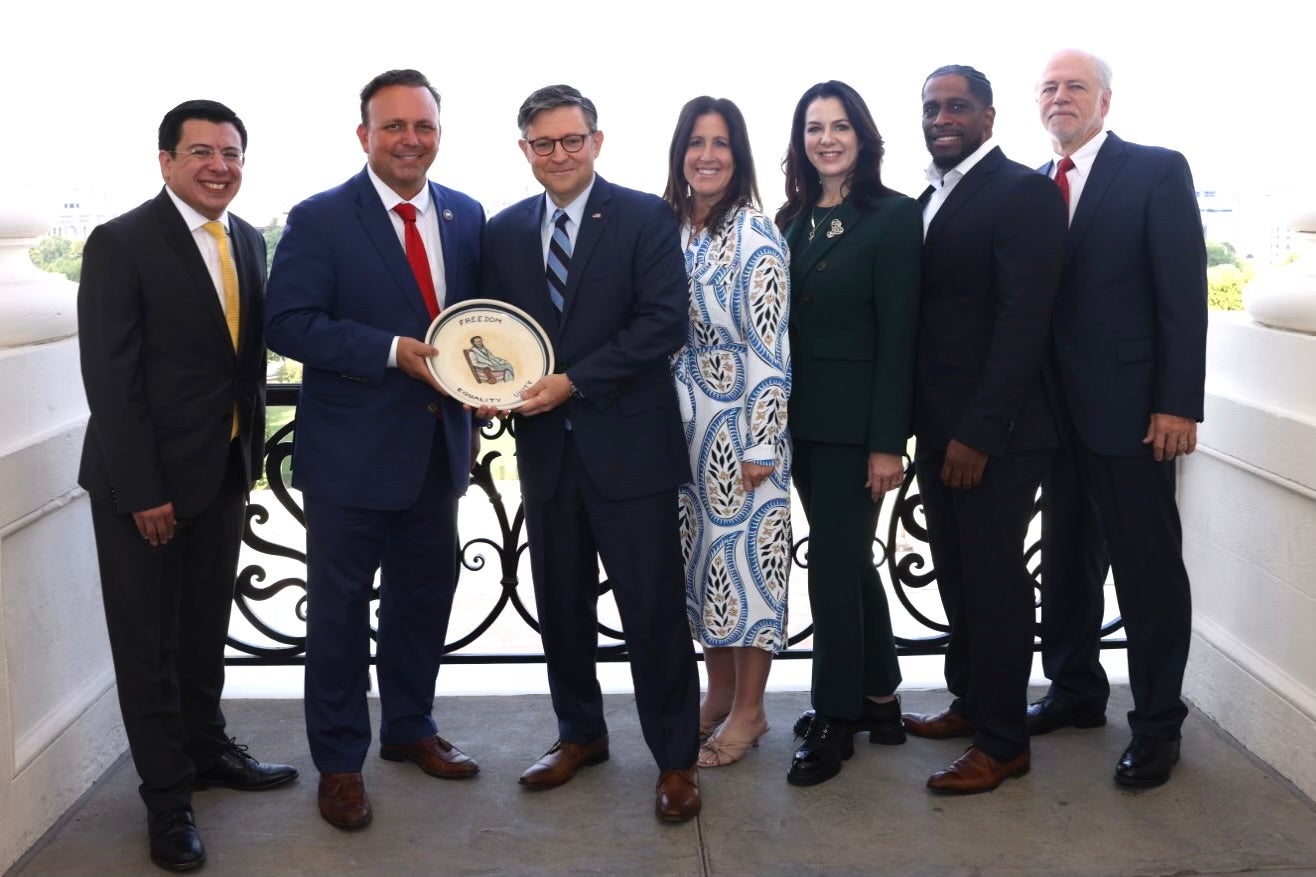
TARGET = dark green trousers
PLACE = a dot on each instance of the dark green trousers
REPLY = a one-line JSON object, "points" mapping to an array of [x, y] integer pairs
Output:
{"points": [[854, 653]]}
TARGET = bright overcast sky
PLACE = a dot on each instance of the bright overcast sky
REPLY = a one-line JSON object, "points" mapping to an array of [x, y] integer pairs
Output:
{"points": [[87, 82]]}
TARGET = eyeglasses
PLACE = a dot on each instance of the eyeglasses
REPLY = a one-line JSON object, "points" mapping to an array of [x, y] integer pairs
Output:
{"points": [[206, 153], [546, 145]]}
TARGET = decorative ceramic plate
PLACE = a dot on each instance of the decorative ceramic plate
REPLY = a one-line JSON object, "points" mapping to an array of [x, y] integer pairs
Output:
{"points": [[489, 352]]}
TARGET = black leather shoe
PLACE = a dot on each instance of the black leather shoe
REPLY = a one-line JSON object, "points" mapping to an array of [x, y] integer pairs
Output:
{"points": [[235, 769], [828, 743], [1147, 762], [880, 720], [1049, 714], [175, 844]]}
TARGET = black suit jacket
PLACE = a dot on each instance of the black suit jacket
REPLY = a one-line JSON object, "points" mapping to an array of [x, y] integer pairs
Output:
{"points": [[625, 313], [1131, 316], [160, 372], [991, 267]]}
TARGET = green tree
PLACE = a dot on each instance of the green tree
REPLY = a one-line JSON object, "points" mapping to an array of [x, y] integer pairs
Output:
{"points": [[58, 255], [1222, 253], [1225, 284], [273, 234]]}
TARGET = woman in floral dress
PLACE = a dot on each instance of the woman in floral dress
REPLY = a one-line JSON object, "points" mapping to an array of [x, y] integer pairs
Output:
{"points": [[733, 380]]}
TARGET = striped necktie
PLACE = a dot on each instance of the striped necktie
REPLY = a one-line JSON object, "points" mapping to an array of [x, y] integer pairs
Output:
{"points": [[559, 259], [228, 273]]}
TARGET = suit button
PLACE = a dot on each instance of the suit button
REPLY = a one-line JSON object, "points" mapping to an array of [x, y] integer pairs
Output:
{"points": [[822, 265], [433, 407]]}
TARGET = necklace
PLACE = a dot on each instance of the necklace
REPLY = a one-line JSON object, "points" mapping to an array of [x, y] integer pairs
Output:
{"points": [[814, 221]]}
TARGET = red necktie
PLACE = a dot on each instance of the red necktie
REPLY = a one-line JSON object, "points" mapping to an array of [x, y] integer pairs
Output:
{"points": [[1062, 179], [418, 258]]}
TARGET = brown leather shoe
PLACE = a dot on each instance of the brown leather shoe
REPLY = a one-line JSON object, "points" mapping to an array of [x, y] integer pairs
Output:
{"points": [[343, 801], [938, 726], [436, 756], [976, 771], [678, 795], [561, 762]]}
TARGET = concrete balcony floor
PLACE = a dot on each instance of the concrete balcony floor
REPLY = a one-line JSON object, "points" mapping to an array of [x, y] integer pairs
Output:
{"points": [[1222, 813]]}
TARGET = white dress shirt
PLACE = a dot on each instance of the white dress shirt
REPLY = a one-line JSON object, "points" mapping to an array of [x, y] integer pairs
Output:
{"points": [[427, 223], [944, 183], [206, 242], [1083, 158], [575, 213]]}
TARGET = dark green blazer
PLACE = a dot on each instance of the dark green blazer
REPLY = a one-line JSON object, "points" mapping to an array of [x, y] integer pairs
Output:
{"points": [[854, 305]]}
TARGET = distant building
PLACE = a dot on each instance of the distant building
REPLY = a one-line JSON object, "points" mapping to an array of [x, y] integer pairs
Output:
{"points": [[1248, 223], [79, 213]]}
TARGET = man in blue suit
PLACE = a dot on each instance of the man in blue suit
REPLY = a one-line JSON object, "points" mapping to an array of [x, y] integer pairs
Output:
{"points": [[380, 455], [1130, 344], [599, 443]]}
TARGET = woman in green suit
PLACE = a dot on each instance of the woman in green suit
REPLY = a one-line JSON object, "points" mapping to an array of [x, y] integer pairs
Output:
{"points": [[855, 261]]}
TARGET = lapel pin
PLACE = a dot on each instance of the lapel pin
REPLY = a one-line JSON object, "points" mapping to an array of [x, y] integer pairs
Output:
{"points": [[447, 214], [836, 230], [596, 216]]}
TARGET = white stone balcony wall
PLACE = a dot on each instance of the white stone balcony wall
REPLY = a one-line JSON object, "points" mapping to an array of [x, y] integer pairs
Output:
{"points": [[1248, 499], [59, 719]]}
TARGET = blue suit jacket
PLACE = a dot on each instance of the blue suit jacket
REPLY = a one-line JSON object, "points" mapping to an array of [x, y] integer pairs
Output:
{"points": [[625, 313], [340, 290], [1130, 320]]}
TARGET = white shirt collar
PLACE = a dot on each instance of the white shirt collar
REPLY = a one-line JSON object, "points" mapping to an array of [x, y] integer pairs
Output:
{"points": [[193, 219], [575, 210], [1084, 156], [392, 199], [937, 178]]}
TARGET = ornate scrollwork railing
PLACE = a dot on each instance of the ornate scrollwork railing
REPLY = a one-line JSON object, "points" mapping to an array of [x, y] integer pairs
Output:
{"points": [[269, 625]]}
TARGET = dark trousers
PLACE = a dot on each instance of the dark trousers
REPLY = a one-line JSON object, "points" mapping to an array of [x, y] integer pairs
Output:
{"points": [[977, 538], [167, 611], [415, 552], [1130, 502], [854, 652], [639, 544]]}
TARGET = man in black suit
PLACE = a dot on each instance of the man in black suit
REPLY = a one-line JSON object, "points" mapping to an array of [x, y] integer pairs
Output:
{"points": [[599, 443], [1130, 344], [991, 263], [169, 318]]}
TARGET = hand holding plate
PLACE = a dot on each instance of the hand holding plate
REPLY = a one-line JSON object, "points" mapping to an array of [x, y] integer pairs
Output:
{"points": [[413, 359], [548, 392]]}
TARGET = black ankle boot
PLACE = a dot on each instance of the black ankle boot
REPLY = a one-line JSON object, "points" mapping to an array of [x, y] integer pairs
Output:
{"points": [[880, 720], [827, 743]]}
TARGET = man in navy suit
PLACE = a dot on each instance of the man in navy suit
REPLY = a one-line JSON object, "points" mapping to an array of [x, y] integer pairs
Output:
{"points": [[991, 264], [599, 443], [380, 455], [1130, 344]]}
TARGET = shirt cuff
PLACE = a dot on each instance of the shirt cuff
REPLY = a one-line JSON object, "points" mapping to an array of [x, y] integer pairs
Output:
{"points": [[393, 353]]}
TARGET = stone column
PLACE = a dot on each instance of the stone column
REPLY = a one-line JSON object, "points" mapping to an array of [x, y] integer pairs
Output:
{"points": [[60, 728]]}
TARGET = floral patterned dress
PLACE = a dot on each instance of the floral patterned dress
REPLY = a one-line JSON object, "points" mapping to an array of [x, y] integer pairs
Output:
{"points": [[733, 380]]}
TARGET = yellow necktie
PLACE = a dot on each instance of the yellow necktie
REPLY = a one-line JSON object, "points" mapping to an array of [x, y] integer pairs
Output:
{"points": [[229, 274]]}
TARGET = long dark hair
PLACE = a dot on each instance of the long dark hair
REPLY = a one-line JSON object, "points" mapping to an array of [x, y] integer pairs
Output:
{"points": [[744, 188], [803, 187]]}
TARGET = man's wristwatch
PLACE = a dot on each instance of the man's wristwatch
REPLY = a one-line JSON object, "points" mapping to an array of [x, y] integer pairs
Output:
{"points": [[575, 393]]}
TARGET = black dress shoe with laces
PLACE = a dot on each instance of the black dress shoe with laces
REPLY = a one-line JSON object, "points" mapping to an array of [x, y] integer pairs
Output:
{"points": [[235, 769], [1147, 762], [1049, 714], [827, 743], [881, 721], [175, 844]]}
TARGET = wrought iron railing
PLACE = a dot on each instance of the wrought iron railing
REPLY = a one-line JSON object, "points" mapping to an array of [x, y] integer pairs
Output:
{"points": [[273, 612]]}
